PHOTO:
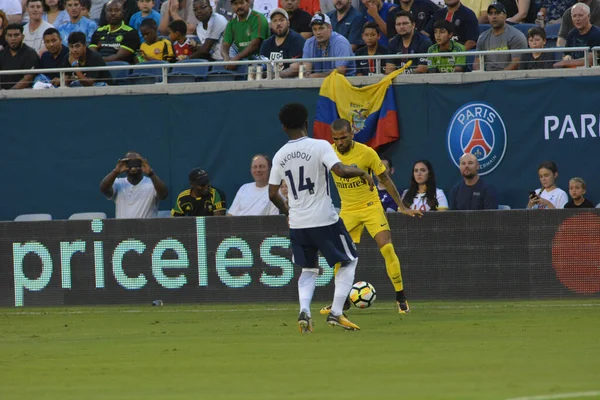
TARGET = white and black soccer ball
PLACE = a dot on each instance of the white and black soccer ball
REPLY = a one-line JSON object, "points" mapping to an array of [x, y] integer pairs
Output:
{"points": [[362, 294]]}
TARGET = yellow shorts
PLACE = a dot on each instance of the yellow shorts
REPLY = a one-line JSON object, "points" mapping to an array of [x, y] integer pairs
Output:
{"points": [[372, 217]]}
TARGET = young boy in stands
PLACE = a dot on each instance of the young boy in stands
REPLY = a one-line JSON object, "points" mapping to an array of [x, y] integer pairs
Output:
{"points": [[154, 48], [370, 35], [182, 46], [147, 11], [442, 32], [577, 191], [536, 37], [81, 56]]}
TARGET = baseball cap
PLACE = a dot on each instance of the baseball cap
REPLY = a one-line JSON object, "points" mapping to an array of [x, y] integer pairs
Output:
{"points": [[497, 6], [320, 19], [280, 11], [199, 177]]}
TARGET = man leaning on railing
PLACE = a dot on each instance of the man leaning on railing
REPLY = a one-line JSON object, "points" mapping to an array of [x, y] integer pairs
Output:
{"points": [[584, 34]]}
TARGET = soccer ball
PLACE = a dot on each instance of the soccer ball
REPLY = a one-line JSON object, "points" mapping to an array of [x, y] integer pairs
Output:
{"points": [[362, 294]]}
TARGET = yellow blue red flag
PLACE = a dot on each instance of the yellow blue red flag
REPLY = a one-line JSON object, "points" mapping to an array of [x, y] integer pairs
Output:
{"points": [[371, 110]]}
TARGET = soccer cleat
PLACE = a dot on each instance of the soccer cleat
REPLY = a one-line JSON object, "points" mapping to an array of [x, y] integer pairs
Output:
{"points": [[305, 323], [342, 321], [403, 307], [327, 309]]}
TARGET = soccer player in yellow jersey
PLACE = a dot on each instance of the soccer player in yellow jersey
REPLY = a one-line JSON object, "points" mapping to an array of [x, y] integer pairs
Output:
{"points": [[362, 208]]}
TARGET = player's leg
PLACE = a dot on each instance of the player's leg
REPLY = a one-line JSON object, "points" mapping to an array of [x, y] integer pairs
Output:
{"points": [[305, 256]]}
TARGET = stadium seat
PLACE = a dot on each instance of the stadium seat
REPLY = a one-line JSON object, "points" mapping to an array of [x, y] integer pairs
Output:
{"points": [[33, 217], [483, 28], [240, 73], [164, 214], [503, 207], [147, 76], [87, 216], [119, 76], [552, 31], [220, 75], [189, 74], [524, 28]]}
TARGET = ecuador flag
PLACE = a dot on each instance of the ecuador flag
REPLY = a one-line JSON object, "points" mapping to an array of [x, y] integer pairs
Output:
{"points": [[371, 110]]}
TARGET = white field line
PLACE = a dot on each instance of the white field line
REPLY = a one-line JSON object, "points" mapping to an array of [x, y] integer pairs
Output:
{"points": [[559, 396]]}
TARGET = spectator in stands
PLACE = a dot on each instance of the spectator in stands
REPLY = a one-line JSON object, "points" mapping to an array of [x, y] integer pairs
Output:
{"points": [[115, 41], [253, 198], [479, 7], [536, 37], [56, 53], [224, 8], [472, 193], [372, 47], [388, 203], [299, 18], [77, 22], [423, 11], [566, 25], [54, 12], [442, 31], [136, 196], [3, 25], [129, 8], [585, 34], [466, 25], [81, 56], [146, 11], [516, 10], [86, 6], [326, 43], [378, 11], [328, 6], [13, 11], [17, 56], [210, 31], [244, 34], [408, 41], [201, 199], [549, 195], [155, 48], [553, 10], [177, 10], [182, 45], [500, 36], [348, 22], [577, 192], [310, 6], [423, 193], [35, 28], [283, 44]]}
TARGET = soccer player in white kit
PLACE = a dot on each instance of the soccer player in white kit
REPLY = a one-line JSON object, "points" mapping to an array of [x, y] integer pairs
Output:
{"points": [[315, 226]]}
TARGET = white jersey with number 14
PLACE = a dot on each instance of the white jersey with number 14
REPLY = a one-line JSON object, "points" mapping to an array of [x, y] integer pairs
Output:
{"points": [[305, 164]]}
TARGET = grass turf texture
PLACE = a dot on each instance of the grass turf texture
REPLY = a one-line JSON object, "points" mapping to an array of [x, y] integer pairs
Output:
{"points": [[442, 350]]}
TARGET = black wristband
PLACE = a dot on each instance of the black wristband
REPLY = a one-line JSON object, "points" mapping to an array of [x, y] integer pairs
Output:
{"points": [[151, 173]]}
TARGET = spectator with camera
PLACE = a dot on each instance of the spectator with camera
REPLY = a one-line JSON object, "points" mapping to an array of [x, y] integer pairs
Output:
{"points": [[137, 195], [201, 199]]}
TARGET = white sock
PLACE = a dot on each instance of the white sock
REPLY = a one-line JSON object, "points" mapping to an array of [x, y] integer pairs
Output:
{"points": [[343, 283], [306, 288]]}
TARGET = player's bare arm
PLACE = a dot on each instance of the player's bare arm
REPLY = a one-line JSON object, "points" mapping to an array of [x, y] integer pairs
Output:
{"points": [[390, 186], [346, 171], [278, 200]]}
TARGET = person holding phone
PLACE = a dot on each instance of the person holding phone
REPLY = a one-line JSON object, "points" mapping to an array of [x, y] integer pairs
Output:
{"points": [[138, 194], [549, 196]]}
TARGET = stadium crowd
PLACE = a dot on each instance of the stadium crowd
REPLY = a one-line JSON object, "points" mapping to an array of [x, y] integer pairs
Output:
{"points": [[48, 34]]}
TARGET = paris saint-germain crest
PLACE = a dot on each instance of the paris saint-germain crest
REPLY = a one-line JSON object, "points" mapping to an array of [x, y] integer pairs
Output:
{"points": [[477, 128]]}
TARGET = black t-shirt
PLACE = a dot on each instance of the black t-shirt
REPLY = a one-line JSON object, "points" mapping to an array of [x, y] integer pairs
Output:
{"points": [[129, 8], [422, 10], [590, 39], [511, 7], [544, 61], [586, 204], [204, 206], [480, 196], [92, 59], [418, 45], [300, 21], [367, 67], [26, 58], [47, 61], [291, 47], [466, 25], [109, 42]]}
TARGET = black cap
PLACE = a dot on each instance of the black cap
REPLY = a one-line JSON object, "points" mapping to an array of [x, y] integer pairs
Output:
{"points": [[199, 177], [497, 6]]}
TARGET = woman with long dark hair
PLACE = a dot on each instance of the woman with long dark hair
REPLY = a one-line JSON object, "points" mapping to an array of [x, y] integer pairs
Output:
{"points": [[423, 194]]}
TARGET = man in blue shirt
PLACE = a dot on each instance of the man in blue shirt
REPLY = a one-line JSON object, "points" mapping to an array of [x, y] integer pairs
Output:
{"points": [[408, 41], [326, 43], [422, 10], [348, 22], [472, 193], [583, 35], [283, 44], [466, 24], [77, 22], [378, 11]]}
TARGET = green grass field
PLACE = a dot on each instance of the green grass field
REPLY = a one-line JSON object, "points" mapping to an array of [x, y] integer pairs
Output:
{"points": [[442, 350]]}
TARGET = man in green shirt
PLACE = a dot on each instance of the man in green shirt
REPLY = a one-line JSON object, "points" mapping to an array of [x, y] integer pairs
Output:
{"points": [[244, 33], [443, 31]]}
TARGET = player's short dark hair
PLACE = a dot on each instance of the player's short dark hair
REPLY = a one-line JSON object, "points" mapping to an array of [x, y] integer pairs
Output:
{"points": [[178, 26], [443, 24], [389, 161], [51, 31], [266, 157], [293, 116], [371, 25], [14, 25], [77, 37], [537, 31], [549, 165], [149, 23], [341, 124], [406, 14]]}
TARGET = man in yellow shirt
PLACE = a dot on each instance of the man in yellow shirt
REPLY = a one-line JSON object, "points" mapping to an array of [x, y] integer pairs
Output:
{"points": [[361, 206]]}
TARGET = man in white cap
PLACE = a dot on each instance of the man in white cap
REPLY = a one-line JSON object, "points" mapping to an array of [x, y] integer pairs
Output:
{"points": [[283, 44]]}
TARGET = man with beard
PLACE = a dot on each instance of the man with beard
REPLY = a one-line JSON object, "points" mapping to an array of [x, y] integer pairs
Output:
{"points": [[584, 35], [210, 31], [201, 200], [348, 22], [284, 44], [115, 41], [17, 56], [81, 56], [299, 18], [408, 41], [136, 196], [466, 25], [472, 193]]}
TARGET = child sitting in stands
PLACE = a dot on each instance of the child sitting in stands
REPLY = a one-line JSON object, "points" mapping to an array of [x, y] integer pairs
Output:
{"points": [[183, 46]]}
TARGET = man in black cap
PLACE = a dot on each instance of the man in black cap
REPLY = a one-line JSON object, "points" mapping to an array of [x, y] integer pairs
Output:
{"points": [[201, 200]]}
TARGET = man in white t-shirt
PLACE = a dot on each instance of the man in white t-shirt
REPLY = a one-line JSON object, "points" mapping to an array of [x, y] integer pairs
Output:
{"points": [[13, 10], [210, 31], [35, 28], [136, 196], [253, 198]]}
